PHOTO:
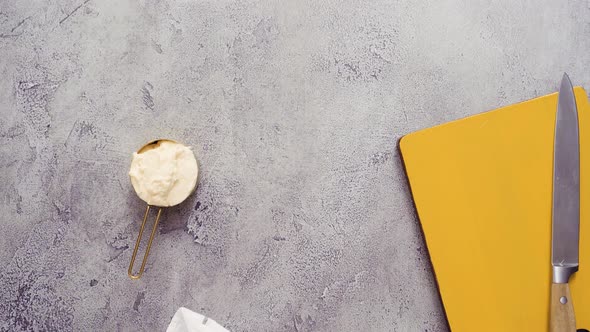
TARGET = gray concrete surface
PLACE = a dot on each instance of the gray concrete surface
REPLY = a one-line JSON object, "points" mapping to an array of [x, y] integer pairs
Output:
{"points": [[303, 220]]}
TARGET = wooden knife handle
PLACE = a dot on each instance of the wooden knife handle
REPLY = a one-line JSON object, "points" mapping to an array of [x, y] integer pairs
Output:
{"points": [[562, 309]]}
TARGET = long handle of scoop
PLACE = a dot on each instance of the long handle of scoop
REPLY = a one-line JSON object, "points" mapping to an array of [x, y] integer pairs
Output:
{"points": [[149, 245]]}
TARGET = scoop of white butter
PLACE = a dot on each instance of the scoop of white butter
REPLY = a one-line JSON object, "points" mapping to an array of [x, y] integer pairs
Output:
{"points": [[164, 174]]}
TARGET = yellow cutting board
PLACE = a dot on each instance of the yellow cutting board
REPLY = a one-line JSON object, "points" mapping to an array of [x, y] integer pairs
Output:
{"points": [[482, 188]]}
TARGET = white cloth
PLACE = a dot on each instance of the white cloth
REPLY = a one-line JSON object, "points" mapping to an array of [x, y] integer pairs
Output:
{"points": [[185, 320]]}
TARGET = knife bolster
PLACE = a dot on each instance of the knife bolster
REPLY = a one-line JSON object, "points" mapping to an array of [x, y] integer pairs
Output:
{"points": [[561, 274]]}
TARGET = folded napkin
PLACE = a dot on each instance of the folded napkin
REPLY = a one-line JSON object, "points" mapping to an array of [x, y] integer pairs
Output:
{"points": [[185, 320]]}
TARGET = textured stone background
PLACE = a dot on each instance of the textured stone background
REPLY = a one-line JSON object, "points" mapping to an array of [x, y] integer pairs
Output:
{"points": [[302, 220]]}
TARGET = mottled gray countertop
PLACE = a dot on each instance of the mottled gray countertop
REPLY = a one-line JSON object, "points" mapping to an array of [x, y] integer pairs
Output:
{"points": [[302, 220]]}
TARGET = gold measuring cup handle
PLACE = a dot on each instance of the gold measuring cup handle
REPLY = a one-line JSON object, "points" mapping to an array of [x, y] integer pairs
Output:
{"points": [[149, 245]]}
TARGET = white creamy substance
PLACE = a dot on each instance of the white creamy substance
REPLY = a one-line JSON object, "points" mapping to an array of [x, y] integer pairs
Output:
{"points": [[164, 174]]}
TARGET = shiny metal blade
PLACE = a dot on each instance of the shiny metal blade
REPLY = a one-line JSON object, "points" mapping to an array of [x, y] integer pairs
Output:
{"points": [[566, 184]]}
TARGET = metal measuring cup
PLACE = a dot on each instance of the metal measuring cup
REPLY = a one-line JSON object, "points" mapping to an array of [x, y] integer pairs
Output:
{"points": [[151, 145]]}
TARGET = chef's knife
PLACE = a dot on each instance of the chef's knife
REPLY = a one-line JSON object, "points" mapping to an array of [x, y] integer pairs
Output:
{"points": [[566, 208]]}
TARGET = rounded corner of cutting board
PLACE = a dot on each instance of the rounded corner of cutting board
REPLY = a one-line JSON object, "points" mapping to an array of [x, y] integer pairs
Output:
{"points": [[406, 142], [581, 89], [402, 142]]}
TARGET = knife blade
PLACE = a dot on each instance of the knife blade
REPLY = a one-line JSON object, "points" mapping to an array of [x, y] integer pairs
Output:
{"points": [[566, 208]]}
